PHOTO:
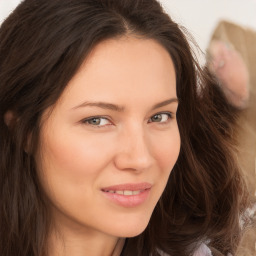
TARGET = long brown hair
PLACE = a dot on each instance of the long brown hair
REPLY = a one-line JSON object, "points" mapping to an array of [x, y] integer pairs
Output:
{"points": [[42, 45]]}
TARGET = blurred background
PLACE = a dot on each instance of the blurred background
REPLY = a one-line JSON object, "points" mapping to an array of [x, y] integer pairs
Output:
{"points": [[199, 16]]}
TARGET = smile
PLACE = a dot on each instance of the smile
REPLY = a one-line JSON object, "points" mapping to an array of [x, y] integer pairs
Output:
{"points": [[125, 192], [128, 195]]}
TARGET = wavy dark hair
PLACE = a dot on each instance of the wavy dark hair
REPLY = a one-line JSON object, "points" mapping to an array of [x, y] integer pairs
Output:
{"points": [[42, 45]]}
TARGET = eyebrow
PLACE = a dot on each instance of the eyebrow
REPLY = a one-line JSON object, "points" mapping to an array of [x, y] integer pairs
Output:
{"points": [[118, 108], [165, 103]]}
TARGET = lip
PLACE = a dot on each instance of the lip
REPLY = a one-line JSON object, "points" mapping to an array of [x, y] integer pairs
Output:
{"points": [[129, 186], [128, 200]]}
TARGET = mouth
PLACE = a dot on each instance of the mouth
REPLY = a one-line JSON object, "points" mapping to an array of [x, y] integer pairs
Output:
{"points": [[124, 192], [128, 189], [128, 195]]}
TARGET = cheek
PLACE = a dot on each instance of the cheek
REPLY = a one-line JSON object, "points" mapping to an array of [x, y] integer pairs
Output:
{"points": [[70, 167], [74, 157], [167, 150]]}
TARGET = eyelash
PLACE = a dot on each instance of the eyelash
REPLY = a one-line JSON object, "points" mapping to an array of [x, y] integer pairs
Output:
{"points": [[169, 117], [87, 120]]}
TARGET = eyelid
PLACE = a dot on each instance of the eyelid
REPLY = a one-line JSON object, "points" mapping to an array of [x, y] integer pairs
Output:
{"points": [[86, 121], [170, 116]]}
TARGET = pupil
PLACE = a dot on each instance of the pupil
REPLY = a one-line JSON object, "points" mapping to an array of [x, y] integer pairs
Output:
{"points": [[95, 121], [157, 118]]}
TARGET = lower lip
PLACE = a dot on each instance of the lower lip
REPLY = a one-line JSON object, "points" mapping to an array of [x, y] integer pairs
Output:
{"points": [[128, 201]]}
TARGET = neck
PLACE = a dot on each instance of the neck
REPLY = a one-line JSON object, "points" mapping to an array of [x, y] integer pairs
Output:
{"points": [[80, 242], [80, 245]]}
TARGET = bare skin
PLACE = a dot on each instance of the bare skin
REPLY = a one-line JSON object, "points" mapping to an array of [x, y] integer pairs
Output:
{"points": [[74, 244], [114, 124]]}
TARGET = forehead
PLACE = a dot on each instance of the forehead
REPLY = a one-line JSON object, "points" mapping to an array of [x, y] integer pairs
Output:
{"points": [[117, 69]]}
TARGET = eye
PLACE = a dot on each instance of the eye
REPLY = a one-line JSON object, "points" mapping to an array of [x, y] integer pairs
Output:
{"points": [[160, 118], [96, 121]]}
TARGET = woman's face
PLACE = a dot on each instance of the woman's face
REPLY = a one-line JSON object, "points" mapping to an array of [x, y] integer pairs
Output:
{"points": [[110, 142]]}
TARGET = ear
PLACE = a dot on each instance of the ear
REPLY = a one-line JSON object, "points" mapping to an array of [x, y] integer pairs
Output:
{"points": [[9, 118]]}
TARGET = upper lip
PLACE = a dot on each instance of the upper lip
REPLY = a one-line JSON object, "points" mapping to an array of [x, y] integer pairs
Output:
{"points": [[129, 186]]}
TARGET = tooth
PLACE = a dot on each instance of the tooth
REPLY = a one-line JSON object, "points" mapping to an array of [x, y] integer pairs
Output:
{"points": [[111, 191], [127, 193], [136, 192], [119, 192]]}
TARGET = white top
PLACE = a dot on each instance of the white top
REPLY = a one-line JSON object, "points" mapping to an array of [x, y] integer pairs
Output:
{"points": [[203, 250]]}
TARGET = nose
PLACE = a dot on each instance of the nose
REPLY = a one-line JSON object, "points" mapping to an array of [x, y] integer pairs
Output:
{"points": [[134, 151]]}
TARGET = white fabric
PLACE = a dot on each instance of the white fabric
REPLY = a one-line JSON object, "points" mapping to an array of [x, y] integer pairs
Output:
{"points": [[203, 250]]}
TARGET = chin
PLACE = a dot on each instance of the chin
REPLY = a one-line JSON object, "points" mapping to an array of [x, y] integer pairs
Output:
{"points": [[133, 233], [130, 228], [129, 233]]}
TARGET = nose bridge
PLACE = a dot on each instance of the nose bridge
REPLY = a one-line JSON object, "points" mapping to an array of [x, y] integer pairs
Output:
{"points": [[137, 141], [134, 149]]}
